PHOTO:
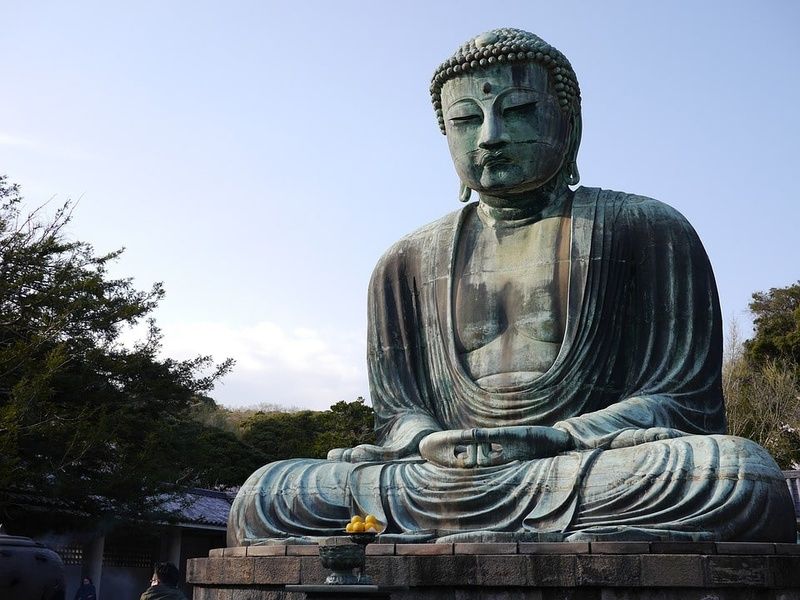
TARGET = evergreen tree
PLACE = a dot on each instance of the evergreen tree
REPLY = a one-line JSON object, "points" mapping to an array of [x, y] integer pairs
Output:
{"points": [[97, 425], [309, 434], [776, 316]]}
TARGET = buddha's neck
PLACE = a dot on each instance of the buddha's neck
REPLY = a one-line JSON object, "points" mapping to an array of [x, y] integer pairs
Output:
{"points": [[510, 211]]}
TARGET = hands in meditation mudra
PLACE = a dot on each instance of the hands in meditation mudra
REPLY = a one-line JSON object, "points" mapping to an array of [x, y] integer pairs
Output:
{"points": [[544, 363]]}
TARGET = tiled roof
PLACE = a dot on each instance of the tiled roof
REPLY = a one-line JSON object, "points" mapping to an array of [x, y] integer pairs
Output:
{"points": [[195, 506], [201, 507]]}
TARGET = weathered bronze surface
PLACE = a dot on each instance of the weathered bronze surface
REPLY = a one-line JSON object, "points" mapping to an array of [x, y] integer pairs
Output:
{"points": [[544, 363]]}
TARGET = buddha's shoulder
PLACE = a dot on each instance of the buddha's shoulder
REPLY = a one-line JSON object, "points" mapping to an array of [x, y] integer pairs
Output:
{"points": [[630, 207], [423, 238]]}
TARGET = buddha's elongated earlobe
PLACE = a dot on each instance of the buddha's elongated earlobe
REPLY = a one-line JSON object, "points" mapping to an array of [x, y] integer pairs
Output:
{"points": [[464, 193], [573, 177]]}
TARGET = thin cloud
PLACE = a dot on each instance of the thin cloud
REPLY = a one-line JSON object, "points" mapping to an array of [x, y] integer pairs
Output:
{"points": [[296, 366]]}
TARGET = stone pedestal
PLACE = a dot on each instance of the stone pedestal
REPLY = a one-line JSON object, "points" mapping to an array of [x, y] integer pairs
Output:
{"points": [[517, 571]]}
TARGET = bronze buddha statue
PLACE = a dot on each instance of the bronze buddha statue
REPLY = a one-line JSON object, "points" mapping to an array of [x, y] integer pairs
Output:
{"points": [[543, 363]]}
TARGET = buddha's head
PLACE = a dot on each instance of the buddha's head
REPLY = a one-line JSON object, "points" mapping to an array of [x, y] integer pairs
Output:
{"points": [[509, 105]]}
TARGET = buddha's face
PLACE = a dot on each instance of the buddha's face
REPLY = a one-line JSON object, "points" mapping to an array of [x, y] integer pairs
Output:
{"points": [[506, 132]]}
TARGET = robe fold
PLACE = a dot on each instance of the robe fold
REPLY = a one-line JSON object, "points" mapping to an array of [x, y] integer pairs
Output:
{"points": [[636, 383]]}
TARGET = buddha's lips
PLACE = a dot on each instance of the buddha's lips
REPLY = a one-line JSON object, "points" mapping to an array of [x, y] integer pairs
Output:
{"points": [[491, 159]]}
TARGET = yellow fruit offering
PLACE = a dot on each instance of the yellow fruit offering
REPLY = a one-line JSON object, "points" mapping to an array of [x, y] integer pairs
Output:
{"points": [[359, 524], [371, 523]]}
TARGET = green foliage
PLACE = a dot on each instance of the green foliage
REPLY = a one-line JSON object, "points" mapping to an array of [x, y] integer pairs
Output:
{"points": [[281, 435], [83, 418], [309, 434], [208, 412], [346, 424], [210, 457], [763, 404], [761, 377], [777, 322]]}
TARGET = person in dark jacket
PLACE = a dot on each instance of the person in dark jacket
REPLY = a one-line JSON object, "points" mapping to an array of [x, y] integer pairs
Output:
{"points": [[86, 591], [164, 584]]}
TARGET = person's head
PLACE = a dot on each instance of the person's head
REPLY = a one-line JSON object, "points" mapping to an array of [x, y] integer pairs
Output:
{"points": [[87, 580], [509, 104], [166, 573]]}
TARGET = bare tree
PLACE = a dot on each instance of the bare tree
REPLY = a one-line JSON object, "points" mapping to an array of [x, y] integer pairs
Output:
{"points": [[762, 402]]}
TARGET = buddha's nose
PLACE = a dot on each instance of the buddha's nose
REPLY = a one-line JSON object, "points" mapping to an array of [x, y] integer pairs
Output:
{"points": [[493, 133]]}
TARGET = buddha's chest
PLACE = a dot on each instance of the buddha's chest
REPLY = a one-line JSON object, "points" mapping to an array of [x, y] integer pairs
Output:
{"points": [[509, 295]]}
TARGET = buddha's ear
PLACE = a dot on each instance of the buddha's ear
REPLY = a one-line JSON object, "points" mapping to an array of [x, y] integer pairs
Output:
{"points": [[464, 192], [571, 163]]}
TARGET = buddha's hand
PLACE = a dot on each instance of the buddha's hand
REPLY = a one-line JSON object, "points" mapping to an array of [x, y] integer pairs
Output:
{"points": [[360, 453], [484, 447], [396, 450], [634, 437]]}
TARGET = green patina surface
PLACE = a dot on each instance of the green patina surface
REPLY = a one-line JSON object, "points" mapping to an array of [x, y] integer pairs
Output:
{"points": [[544, 363]]}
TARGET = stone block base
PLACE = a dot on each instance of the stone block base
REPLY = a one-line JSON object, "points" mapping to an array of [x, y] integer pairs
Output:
{"points": [[537, 571]]}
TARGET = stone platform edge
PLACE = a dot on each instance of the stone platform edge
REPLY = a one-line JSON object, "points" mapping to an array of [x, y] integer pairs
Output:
{"points": [[522, 565], [377, 549]]}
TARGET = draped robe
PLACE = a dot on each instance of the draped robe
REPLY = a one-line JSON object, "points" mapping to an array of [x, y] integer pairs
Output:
{"points": [[636, 384]]}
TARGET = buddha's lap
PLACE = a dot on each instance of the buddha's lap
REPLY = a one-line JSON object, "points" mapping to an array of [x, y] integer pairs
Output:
{"points": [[694, 474]]}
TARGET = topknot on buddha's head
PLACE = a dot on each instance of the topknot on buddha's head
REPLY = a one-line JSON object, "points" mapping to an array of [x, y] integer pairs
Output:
{"points": [[508, 46]]}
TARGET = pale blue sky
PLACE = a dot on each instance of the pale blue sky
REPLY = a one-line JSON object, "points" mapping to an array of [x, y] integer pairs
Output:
{"points": [[258, 157]]}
